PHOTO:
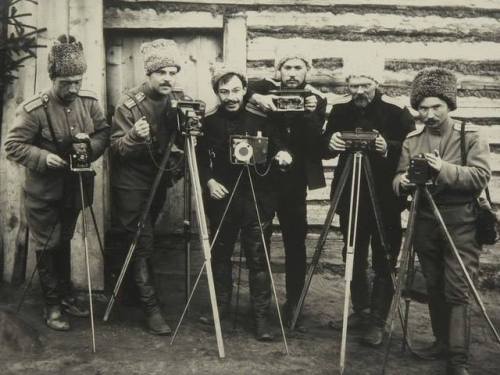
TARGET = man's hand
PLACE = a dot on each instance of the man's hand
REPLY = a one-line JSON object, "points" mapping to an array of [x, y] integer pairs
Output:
{"points": [[141, 128], [53, 161], [311, 103], [404, 182], [284, 159], [380, 145], [264, 102], [217, 190], [336, 142], [434, 160]]}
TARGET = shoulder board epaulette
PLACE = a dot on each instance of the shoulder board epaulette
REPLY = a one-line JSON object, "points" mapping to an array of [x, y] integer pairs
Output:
{"points": [[255, 110], [417, 131], [131, 103], [211, 111], [274, 82], [469, 127], [33, 103], [314, 91], [391, 100], [88, 94], [341, 99]]}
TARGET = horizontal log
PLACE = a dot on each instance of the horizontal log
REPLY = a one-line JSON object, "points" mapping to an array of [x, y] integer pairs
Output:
{"points": [[126, 18], [263, 48], [467, 67]]}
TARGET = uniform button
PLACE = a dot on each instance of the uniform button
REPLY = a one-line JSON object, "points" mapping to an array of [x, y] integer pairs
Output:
{"points": [[68, 110], [72, 128]]}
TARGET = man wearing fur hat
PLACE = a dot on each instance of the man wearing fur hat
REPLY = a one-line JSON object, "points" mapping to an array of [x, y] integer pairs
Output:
{"points": [[143, 122], [368, 109], [455, 188], [302, 136], [218, 177], [40, 140]]}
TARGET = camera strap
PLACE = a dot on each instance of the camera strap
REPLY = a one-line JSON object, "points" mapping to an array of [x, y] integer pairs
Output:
{"points": [[45, 100], [463, 154]]}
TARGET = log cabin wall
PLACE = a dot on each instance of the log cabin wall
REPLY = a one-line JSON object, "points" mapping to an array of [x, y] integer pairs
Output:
{"points": [[399, 34]]}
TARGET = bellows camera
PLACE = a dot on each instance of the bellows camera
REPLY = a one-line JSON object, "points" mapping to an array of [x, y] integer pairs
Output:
{"points": [[247, 149], [419, 171], [360, 140], [290, 100], [191, 110], [79, 156]]}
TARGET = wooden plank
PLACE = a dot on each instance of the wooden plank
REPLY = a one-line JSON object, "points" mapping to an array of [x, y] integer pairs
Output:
{"points": [[482, 4], [85, 22], [11, 174], [264, 47], [235, 41], [127, 18]]}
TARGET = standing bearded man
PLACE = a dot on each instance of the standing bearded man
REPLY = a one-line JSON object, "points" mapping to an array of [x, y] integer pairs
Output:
{"points": [[367, 109], [301, 134]]}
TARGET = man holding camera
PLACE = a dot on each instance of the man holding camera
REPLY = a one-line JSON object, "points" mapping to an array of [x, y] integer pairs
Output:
{"points": [[221, 161], [455, 187], [368, 110], [143, 122], [44, 133], [301, 132]]}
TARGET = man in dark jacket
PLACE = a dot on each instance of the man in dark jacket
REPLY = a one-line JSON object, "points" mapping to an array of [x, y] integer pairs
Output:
{"points": [[454, 190], [367, 109], [218, 176], [301, 133], [143, 122], [40, 139]]}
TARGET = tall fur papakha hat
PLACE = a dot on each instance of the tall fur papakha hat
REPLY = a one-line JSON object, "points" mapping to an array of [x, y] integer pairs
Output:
{"points": [[66, 57], [160, 53], [434, 82], [221, 70]]}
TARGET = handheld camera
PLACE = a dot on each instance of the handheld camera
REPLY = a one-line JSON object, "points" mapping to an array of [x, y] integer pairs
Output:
{"points": [[419, 171], [290, 100], [360, 140], [79, 156], [247, 149], [190, 111]]}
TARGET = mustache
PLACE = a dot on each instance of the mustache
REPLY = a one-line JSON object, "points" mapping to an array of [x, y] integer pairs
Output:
{"points": [[231, 101], [165, 85]]}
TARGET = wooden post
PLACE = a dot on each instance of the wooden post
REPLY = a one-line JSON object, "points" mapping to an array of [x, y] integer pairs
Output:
{"points": [[235, 41], [11, 174]]}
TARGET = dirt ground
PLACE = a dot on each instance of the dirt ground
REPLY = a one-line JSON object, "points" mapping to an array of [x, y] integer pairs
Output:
{"points": [[123, 347]]}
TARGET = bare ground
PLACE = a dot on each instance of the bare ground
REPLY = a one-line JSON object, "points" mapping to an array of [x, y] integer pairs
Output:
{"points": [[123, 346]]}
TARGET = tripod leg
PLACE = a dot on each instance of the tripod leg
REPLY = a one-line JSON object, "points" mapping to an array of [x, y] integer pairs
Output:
{"points": [[236, 310], [89, 281], [454, 249], [321, 241], [403, 267], [101, 247], [187, 228], [409, 283], [140, 225], [266, 253], [351, 242]]}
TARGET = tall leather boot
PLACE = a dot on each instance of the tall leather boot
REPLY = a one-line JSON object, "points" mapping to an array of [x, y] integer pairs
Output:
{"points": [[48, 281], [380, 304], [143, 277], [458, 341], [223, 281], [260, 295], [439, 314]]}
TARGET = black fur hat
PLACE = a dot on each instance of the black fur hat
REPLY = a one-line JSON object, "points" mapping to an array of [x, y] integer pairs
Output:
{"points": [[434, 82], [66, 57]]}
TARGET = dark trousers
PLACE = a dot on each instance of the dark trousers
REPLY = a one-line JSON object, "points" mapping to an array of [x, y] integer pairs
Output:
{"points": [[241, 218], [51, 226], [367, 234], [292, 215], [128, 210]]}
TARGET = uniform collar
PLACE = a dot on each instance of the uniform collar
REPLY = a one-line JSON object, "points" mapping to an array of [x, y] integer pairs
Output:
{"points": [[443, 130], [56, 99]]}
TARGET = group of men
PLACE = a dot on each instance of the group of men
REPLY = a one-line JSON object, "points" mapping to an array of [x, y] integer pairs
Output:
{"points": [[146, 118]]}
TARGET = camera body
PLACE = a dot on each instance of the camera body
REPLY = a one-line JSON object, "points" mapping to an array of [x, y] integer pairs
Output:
{"points": [[79, 156], [247, 149], [191, 111], [419, 172], [360, 140], [290, 100]]}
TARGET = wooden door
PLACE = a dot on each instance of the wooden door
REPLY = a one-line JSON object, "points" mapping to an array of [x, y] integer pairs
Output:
{"points": [[124, 70]]}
